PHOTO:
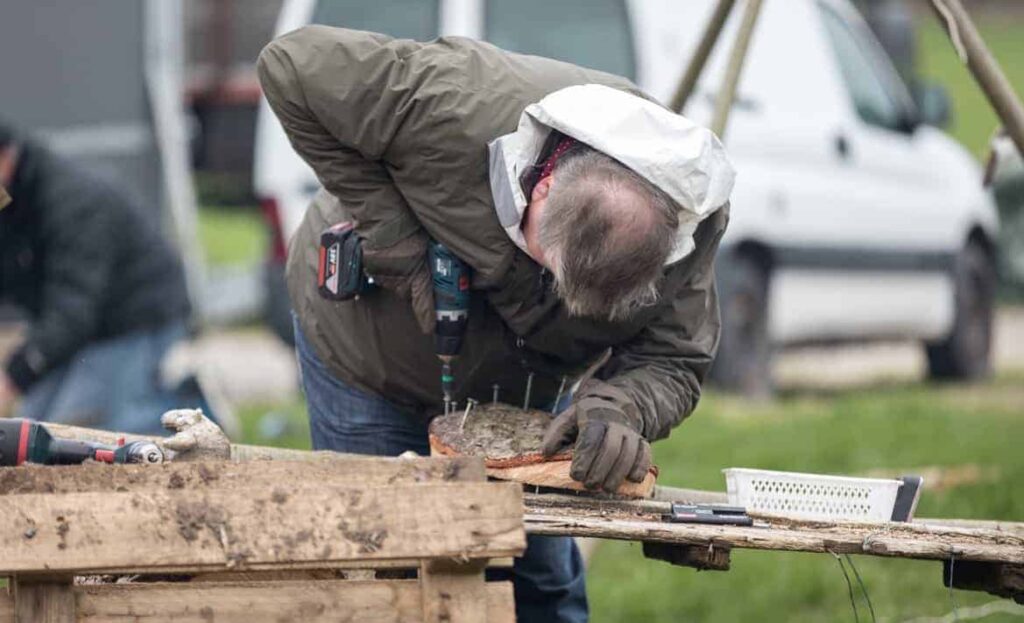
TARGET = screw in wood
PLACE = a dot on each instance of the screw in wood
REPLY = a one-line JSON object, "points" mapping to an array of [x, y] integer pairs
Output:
{"points": [[558, 397], [470, 403], [529, 387]]}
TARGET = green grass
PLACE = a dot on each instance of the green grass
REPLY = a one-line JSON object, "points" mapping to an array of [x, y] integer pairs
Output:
{"points": [[898, 427], [847, 432], [296, 424], [232, 236], [973, 118]]}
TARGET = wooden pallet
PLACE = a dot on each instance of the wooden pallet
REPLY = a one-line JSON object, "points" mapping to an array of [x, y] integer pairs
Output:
{"points": [[261, 540]]}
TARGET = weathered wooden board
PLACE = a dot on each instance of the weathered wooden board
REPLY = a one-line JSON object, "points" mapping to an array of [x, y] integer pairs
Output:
{"points": [[6, 606], [453, 591], [508, 439], [248, 527], [367, 471], [48, 601], [244, 602], [555, 475], [888, 539]]}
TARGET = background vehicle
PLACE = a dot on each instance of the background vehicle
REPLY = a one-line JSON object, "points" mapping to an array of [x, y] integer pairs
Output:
{"points": [[852, 219]]}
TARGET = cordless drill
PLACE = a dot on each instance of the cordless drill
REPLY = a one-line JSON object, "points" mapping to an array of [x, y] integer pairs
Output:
{"points": [[25, 441], [341, 277], [451, 306]]}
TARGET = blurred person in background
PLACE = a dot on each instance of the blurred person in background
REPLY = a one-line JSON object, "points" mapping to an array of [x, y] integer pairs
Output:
{"points": [[104, 292]]}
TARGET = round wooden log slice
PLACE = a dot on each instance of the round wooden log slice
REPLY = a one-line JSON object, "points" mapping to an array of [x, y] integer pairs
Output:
{"points": [[503, 435]]}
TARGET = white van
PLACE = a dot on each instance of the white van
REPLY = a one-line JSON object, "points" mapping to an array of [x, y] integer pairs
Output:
{"points": [[852, 219]]}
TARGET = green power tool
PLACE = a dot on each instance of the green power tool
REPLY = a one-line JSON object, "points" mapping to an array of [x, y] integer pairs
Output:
{"points": [[341, 277], [451, 306]]}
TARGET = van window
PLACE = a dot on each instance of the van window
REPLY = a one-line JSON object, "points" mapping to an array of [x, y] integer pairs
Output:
{"points": [[875, 100], [591, 33], [403, 19]]}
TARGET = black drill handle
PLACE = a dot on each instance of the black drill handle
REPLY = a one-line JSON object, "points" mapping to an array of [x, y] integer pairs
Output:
{"points": [[69, 452], [27, 441]]}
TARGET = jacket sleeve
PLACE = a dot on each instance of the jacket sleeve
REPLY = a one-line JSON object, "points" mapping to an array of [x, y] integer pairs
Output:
{"points": [[78, 263], [662, 369], [329, 88]]}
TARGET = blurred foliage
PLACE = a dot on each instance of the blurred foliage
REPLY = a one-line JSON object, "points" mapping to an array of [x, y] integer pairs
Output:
{"points": [[232, 236], [848, 432], [973, 121], [281, 425]]}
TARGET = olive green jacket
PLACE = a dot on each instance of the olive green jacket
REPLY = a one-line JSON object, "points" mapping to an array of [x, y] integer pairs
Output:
{"points": [[397, 133]]}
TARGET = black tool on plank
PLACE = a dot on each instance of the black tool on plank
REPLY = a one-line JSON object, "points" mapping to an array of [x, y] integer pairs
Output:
{"points": [[708, 514]]}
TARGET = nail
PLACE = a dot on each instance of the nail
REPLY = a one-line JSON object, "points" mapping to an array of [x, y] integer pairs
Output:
{"points": [[558, 397], [470, 403], [529, 387]]}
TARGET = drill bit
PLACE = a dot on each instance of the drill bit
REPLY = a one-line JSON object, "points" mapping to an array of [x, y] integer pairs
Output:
{"points": [[558, 397], [529, 387], [447, 380]]}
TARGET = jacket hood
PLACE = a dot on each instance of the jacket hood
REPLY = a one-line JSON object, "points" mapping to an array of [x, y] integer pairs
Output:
{"points": [[685, 160]]}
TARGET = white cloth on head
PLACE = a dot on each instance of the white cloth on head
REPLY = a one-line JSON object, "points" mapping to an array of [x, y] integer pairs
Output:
{"points": [[684, 159]]}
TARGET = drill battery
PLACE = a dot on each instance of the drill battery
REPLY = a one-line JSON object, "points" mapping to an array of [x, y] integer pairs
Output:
{"points": [[340, 275]]}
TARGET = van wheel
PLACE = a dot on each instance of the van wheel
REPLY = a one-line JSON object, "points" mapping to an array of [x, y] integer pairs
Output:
{"points": [[966, 353], [743, 363]]}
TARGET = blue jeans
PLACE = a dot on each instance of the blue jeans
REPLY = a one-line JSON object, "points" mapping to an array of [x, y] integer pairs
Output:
{"points": [[113, 384], [548, 580]]}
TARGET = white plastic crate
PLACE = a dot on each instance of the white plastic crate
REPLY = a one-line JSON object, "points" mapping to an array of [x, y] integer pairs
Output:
{"points": [[811, 496]]}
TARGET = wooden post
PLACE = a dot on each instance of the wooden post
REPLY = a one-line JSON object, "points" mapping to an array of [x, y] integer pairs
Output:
{"points": [[726, 94], [708, 558], [453, 592], [997, 579], [983, 66], [44, 601], [701, 54]]}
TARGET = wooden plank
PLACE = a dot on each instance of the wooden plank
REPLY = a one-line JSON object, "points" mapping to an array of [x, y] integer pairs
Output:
{"points": [[367, 471], [49, 601], [243, 602], [277, 527], [6, 606], [555, 475], [508, 439], [886, 539], [453, 591]]}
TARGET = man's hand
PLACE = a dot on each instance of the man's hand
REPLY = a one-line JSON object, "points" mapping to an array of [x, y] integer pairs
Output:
{"points": [[609, 448], [403, 268], [8, 395]]}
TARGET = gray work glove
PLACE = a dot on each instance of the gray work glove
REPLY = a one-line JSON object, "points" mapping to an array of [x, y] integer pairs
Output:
{"points": [[196, 437], [605, 425], [403, 269]]}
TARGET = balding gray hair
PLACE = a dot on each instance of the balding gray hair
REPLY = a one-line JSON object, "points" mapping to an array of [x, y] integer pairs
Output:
{"points": [[607, 233]]}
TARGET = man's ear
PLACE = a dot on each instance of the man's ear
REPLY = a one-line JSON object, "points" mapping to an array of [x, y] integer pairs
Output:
{"points": [[542, 188]]}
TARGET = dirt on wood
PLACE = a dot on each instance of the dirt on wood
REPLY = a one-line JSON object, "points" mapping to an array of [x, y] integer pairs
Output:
{"points": [[504, 436]]}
